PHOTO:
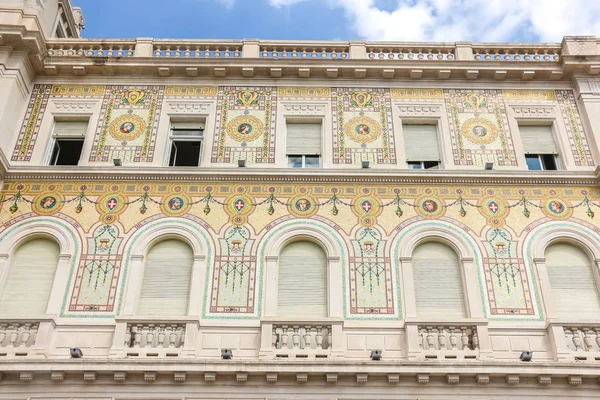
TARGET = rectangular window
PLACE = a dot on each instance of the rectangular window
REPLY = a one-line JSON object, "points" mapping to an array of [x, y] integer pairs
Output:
{"points": [[421, 146], [186, 144], [304, 145], [67, 142], [541, 152]]}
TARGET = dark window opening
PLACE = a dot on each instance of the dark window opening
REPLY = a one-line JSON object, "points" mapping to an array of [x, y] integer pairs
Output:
{"points": [[185, 153], [66, 151], [423, 165]]}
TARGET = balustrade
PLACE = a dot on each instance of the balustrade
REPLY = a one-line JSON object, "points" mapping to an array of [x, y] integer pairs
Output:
{"points": [[17, 338], [448, 341], [583, 341], [387, 52], [86, 48], [539, 53], [301, 337], [304, 52], [154, 336], [187, 50]]}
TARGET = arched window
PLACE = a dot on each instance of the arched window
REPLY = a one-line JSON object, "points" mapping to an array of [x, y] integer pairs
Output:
{"points": [[438, 281], [167, 276], [302, 280], [574, 289], [30, 277]]}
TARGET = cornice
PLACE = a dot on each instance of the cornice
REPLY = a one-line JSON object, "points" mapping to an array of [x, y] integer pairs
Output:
{"points": [[276, 175]]}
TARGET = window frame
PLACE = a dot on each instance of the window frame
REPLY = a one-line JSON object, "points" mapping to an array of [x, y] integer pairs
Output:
{"points": [[558, 157], [437, 122], [55, 136], [304, 161], [184, 138], [299, 121]]}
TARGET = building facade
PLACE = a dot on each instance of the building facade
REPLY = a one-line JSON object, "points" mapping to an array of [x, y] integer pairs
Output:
{"points": [[304, 205]]}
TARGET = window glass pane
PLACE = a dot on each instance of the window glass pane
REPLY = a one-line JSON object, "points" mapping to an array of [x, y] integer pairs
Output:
{"points": [[295, 161], [431, 165], [549, 161], [311, 161], [415, 165], [185, 154], [66, 152], [533, 162]]}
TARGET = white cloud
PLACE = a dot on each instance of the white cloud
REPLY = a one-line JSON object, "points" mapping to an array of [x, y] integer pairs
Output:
{"points": [[477, 20], [227, 3]]}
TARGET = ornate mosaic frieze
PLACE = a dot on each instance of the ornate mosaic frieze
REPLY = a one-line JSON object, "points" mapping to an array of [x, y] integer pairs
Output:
{"points": [[245, 127], [362, 126]]}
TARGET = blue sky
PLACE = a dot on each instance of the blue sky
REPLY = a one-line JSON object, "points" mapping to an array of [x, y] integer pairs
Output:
{"points": [[415, 20]]}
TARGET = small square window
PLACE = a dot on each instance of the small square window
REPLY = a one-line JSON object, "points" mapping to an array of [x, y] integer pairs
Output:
{"points": [[541, 162], [423, 165], [66, 151], [303, 161], [186, 144]]}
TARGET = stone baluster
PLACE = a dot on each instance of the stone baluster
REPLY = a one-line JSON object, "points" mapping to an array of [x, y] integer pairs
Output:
{"points": [[587, 340], [452, 339], [284, 53], [275, 53], [576, 339], [284, 336], [181, 336], [137, 336], [475, 339], [157, 52], [172, 336], [319, 337], [2, 334], [422, 335], [296, 337], [25, 335], [187, 53], [294, 53], [217, 52], [207, 52], [441, 338], [237, 53], [161, 336], [307, 336], [420, 55], [150, 336], [265, 53], [329, 329], [274, 337], [313, 54], [464, 338], [596, 331], [127, 340], [227, 53], [14, 335], [371, 55], [430, 338], [304, 53]]}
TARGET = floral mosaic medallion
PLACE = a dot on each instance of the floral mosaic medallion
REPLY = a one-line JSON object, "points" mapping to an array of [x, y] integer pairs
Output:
{"points": [[127, 127], [430, 207], [47, 203], [479, 131], [361, 99], [133, 97], [175, 205], [303, 206], [556, 208], [245, 128], [363, 129]]}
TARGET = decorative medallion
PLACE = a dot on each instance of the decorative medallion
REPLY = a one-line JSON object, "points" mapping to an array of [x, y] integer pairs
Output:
{"points": [[430, 207], [303, 206], [47, 203], [475, 101], [366, 206], [245, 128], [494, 209], [361, 99], [175, 205], [133, 97], [111, 204], [127, 127], [247, 98], [557, 208], [238, 205], [479, 131], [363, 129]]}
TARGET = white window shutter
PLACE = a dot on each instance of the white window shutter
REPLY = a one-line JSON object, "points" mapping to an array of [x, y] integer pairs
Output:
{"points": [[303, 139], [421, 142], [438, 282], [167, 275], [574, 289], [70, 128], [302, 281], [188, 125], [538, 139], [30, 277]]}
